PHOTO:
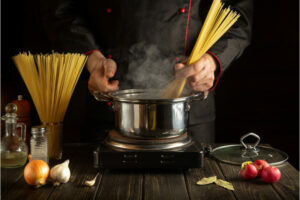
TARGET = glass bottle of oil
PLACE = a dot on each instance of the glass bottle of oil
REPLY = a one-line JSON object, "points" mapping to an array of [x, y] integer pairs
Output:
{"points": [[14, 150]]}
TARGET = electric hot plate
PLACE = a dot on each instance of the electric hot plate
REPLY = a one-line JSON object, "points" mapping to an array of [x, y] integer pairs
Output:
{"points": [[118, 151]]}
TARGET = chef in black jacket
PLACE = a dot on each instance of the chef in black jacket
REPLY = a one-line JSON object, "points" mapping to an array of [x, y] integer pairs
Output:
{"points": [[107, 30]]}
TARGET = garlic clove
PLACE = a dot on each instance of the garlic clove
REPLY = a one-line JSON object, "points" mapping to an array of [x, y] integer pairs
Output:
{"points": [[92, 182]]}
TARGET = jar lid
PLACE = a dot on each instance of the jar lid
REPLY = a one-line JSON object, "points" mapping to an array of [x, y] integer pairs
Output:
{"points": [[238, 153], [38, 129]]}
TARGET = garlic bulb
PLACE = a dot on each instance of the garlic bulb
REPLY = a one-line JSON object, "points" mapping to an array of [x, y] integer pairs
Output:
{"points": [[60, 173]]}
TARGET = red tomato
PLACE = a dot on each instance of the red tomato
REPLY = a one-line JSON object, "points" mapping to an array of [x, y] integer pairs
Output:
{"points": [[270, 174], [260, 165], [248, 171]]}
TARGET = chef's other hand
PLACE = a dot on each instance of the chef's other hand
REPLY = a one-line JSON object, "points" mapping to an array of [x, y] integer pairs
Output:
{"points": [[101, 70], [200, 75]]}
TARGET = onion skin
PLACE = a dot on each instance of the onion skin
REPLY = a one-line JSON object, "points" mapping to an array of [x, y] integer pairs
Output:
{"points": [[36, 172]]}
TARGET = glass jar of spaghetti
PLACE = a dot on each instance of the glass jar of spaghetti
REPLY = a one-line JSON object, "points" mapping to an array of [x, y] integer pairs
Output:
{"points": [[54, 133]]}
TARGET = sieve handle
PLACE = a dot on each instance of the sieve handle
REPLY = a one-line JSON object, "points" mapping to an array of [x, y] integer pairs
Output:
{"points": [[100, 96]]}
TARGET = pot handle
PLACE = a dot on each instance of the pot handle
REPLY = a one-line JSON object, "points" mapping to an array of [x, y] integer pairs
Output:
{"points": [[198, 96], [100, 96]]}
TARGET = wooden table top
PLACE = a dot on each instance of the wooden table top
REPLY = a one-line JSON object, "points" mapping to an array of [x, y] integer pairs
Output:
{"points": [[148, 184]]}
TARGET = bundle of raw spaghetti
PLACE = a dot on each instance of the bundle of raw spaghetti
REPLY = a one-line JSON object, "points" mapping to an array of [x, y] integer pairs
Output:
{"points": [[51, 80], [217, 22]]}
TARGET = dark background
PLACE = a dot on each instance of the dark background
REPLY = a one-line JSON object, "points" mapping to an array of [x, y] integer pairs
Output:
{"points": [[258, 93]]}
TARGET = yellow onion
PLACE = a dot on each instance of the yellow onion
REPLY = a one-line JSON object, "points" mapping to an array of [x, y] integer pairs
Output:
{"points": [[36, 172]]}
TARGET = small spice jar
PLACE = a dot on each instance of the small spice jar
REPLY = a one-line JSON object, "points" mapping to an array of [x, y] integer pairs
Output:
{"points": [[39, 143]]}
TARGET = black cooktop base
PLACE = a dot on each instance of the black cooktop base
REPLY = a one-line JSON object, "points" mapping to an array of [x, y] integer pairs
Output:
{"points": [[190, 156]]}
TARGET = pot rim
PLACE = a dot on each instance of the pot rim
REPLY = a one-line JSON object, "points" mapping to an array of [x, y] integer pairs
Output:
{"points": [[119, 96]]}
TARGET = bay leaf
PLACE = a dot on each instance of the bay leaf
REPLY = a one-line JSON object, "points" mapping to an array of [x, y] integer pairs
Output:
{"points": [[206, 181], [224, 184]]}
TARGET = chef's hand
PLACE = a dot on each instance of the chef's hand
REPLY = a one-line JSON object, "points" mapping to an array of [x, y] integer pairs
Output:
{"points": [[101, 70], [200, 75]]}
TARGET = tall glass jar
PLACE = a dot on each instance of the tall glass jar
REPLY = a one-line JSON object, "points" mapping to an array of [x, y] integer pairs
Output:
{"points": [[54, 133], [39, 143]]}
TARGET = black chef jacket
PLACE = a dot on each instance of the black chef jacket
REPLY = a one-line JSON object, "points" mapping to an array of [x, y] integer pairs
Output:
{"points": [[172, 26]]}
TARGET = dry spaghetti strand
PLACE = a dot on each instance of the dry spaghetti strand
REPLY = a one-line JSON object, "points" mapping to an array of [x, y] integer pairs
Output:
{"points": [[217, 22]]}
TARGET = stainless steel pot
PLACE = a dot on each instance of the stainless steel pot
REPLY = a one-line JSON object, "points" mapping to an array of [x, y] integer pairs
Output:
{"points": [[140, 114]]}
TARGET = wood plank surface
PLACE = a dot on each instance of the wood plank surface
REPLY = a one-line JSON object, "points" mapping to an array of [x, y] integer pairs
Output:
{"points": [[148, 184], [21, 190], [288, 185], [211, 191], [165, 184], [120, 184], [9, 177]]}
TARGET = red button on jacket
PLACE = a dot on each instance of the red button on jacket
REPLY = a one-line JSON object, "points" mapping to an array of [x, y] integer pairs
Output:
{"points": [[109, 56], [182, 10], [108, 10]]}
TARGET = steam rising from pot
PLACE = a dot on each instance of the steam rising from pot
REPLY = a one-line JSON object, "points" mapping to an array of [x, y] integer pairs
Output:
{"points": [[148, 68]]}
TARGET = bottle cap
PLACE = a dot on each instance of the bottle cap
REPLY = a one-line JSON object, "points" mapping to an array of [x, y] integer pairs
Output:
{"points": [[38, 129], [20, 97], [11, 108], [10, 112]]}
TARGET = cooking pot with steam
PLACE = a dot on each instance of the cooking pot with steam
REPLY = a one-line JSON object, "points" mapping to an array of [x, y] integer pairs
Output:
{"points": [[140, 113]]}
